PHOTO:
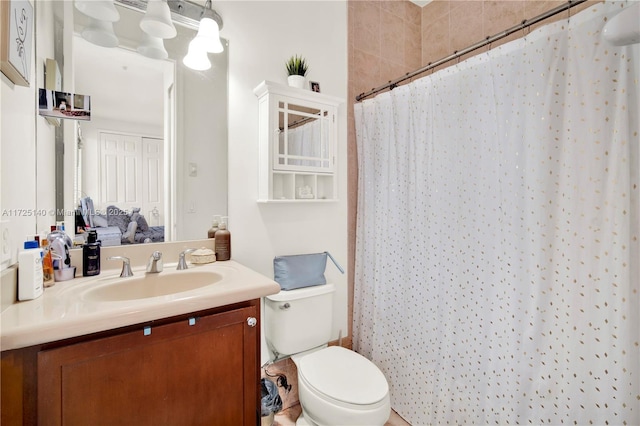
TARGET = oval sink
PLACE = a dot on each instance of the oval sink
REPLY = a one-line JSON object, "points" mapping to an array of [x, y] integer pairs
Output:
{"points": [[151, 285]]}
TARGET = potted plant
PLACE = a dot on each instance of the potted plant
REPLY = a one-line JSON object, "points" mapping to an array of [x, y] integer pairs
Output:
{"points": [[297, 69]]}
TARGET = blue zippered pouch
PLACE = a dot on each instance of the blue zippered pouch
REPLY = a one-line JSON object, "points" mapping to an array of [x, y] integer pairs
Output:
{"points": [[302, 270]]}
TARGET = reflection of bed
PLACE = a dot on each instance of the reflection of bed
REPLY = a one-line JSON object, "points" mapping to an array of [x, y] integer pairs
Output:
{"points": [[116, 226], [155, 234]]}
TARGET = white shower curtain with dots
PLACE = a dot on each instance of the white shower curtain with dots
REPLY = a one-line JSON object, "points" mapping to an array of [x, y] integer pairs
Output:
{"points": [[497, 253]]}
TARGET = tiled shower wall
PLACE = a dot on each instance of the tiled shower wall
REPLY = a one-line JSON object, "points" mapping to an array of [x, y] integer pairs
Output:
{"points": [[388, 39]]}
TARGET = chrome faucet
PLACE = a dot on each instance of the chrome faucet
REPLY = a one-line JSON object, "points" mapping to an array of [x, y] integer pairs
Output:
{"points": [[155, 263], [182, 263], [126, 266]]}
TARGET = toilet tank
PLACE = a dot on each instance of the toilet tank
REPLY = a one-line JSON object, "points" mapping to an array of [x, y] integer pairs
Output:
{"points": [[299, 320]]}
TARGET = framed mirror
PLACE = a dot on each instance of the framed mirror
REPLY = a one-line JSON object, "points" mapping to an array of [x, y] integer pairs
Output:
{"points": [[156, 144]]}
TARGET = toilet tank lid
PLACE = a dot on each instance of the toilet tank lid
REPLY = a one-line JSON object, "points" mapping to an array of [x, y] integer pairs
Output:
{"points": [[344, 375], [301, 293]]}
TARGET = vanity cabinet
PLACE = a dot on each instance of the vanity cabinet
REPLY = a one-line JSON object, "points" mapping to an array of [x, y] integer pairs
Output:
{"points": [[297, 144], [197, 369]]}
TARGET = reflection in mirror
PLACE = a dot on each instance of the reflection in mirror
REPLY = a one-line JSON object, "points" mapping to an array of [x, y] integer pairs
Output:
{"points": [[303, 138], [156, 145]]}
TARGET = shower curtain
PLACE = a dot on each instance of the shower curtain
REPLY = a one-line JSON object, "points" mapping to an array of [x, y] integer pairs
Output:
{"points": [[496, 277]]}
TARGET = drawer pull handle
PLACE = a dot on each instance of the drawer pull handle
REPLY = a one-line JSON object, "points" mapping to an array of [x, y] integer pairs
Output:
{"points": [[252, 322]]}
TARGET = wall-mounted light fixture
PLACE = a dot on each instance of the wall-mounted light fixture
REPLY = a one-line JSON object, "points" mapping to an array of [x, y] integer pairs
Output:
{"points": [[208, 37], [100, 33], [102, 10], [157, 20], [152, 47], [157, 24], [207, 40], [102, 14], [196, 58]]}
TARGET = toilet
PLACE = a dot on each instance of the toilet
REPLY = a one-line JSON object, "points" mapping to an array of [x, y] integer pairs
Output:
{"points": [[336, 386]]}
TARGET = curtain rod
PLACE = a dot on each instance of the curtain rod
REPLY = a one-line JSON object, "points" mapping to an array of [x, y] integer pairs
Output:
{"points": [[392, 84]]}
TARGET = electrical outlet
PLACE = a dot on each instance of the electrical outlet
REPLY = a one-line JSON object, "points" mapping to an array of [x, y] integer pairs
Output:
{"points": [[5, 242]]}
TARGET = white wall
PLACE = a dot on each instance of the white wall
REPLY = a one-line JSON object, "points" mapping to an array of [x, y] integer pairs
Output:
{"points": [[263, 35], [18, 165]]}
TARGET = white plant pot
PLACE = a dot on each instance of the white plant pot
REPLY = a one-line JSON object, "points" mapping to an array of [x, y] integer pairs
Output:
{"points": [[296, 81]]}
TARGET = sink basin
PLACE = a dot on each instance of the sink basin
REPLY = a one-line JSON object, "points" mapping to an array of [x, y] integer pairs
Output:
{"points": [[151, 285]]}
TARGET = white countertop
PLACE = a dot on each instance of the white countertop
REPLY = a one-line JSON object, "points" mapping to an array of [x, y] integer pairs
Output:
{"points": [[62, 311]]}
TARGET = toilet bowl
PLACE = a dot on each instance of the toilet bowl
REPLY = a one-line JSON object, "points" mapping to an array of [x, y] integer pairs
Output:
{"points": [[337, 386]]}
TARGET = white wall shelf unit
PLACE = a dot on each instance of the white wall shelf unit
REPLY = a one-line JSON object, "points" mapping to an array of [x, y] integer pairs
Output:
{"points": [[298, 136]]}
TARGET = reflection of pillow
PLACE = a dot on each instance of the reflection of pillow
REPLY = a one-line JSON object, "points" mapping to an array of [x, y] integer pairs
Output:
{"points": [[117, 217], [100, 221], [134, 215], [130, 235], [142, 223]]}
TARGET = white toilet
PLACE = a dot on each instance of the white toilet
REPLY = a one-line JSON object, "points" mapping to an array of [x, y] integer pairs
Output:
{"points": [[336, 386]]}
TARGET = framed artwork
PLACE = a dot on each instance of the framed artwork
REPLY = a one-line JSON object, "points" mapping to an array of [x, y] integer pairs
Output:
{"points": [[16, 40], [315, 86]]}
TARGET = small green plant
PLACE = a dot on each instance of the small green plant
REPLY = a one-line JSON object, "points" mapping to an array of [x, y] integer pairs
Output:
{"points": [[297, 65]]}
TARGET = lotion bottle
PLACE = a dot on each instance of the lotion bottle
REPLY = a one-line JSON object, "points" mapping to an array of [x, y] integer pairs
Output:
{"points": [[30, 285], [223, 242]]}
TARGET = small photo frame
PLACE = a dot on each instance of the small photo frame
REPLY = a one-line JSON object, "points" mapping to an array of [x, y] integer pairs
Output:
{"points": [[70, 106], [16, 40], [314, 86]]}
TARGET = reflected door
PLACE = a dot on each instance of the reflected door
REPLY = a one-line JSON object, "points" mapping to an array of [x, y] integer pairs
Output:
{"points": [[131, 174]]}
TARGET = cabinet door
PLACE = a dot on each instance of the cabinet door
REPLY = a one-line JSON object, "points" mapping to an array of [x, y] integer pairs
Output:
{"points": [[205, 373]]}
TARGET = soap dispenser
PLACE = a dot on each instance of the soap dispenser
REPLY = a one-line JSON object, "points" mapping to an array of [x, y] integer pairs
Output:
{"points": [[214, 227], [223, 242], [91, 255]]}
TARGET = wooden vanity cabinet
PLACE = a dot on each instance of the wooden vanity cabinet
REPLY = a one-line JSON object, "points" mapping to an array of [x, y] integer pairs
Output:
{"points": [[197, 369]]}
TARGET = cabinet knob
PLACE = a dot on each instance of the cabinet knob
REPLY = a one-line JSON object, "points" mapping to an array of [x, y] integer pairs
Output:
{"points": [[251, 321]]}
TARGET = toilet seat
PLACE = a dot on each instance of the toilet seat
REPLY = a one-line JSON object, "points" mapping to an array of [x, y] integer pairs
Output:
{"points": [[343, 375]]}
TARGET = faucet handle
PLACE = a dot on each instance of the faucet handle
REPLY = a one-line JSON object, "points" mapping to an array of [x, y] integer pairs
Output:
{"points": [[182, 263], [155, 262], [126, 266]]}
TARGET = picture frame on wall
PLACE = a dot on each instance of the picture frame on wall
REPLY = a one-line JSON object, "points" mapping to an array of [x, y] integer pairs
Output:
{"points": [[16, 40], [314, 86], [70, 106]]}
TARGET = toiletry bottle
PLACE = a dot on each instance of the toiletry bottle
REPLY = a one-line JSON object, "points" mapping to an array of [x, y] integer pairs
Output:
{"points": [[214, 227], [91, 255], [223, 242], [47, 264], [30, 271]]}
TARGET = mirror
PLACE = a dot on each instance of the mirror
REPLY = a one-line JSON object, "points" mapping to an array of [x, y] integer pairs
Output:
{"points": [[157, 140]]}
